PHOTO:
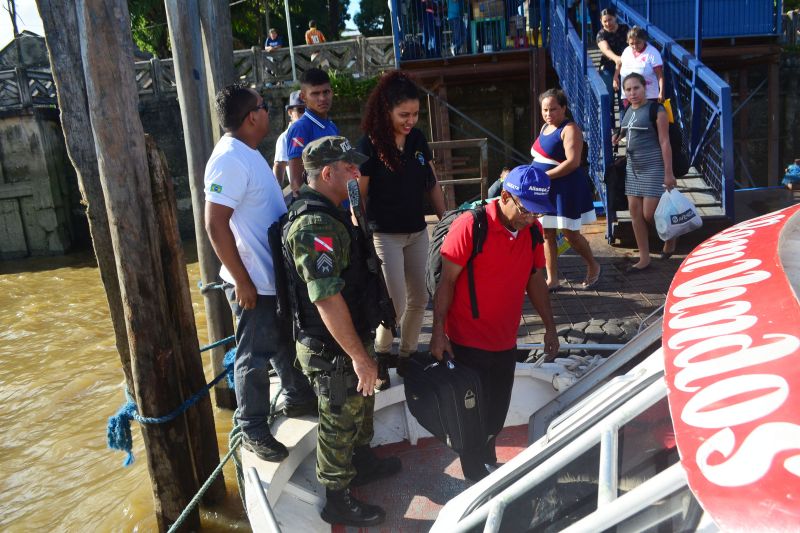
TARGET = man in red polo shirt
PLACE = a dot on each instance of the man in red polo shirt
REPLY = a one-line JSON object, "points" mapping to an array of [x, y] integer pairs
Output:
{"points": [[507, 268]]}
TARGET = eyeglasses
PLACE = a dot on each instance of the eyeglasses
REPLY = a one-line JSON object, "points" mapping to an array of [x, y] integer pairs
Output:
{"points": [[522, 211], [262, 105]]}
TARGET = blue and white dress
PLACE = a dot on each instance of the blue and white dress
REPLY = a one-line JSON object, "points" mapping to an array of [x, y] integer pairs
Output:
{"points": [[570, 194]]}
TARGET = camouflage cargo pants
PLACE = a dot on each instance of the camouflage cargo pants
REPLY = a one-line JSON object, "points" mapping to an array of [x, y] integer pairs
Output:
{"points": [[339, 433]]}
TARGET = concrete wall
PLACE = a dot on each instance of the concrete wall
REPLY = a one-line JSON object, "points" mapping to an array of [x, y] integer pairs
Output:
{"points": [[35, 197], [40, 210]]}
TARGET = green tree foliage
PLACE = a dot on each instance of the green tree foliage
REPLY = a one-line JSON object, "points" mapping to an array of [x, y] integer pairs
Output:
{"points": [[374, 18], [149, 26], [347, 87], [248, 22]]}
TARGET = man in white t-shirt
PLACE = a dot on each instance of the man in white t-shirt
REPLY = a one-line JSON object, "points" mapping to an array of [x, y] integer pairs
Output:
{"points": [[242, 200], [295, 109]]}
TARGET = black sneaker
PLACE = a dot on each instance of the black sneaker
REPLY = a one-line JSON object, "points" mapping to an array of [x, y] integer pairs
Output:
{"points": [[266, 448], [296, 410]]}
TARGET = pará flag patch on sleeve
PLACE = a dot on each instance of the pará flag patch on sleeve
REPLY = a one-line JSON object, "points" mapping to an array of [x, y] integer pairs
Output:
{"points": [[323, 244], [298, 142]]}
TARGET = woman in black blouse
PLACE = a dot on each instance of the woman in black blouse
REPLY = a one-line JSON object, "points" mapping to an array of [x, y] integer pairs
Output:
{"points": [[395, 181], [612, 39]]}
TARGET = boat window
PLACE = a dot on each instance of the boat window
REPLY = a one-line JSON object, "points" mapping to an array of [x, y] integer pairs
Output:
{"points": [[678, 512], [558, 501], [646, 447]]}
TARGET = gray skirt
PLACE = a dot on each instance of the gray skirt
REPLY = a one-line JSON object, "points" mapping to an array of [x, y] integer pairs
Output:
{"points": [[644, 174]]}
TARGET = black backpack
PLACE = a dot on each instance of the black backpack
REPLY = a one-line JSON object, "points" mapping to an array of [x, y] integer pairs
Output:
{"points": [[480, 230], [680, 161]]}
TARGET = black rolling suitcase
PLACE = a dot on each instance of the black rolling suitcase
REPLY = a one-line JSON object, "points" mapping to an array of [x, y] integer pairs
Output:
{"points": [[446, 399]]}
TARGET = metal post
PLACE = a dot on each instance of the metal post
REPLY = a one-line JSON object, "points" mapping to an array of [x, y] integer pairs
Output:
{"points": [[698, 28], [584, 44], [394, 12], [291, 41], [647, 11]]}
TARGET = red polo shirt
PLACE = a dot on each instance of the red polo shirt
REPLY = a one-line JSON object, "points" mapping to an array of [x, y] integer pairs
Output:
{"points": [[502, 270]]}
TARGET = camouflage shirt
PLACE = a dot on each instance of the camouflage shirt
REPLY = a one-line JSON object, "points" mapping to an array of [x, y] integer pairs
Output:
{"points": [[320, 247]]}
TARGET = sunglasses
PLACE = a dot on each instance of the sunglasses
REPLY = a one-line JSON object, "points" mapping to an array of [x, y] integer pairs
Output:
{"points": [[262, 105], [522, 211]]}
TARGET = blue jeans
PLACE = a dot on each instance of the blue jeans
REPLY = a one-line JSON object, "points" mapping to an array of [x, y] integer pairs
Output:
{"points": [[259, 340]]}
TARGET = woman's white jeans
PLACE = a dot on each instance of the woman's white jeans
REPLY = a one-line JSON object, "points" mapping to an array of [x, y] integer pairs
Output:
{"points": [[404, 257]]}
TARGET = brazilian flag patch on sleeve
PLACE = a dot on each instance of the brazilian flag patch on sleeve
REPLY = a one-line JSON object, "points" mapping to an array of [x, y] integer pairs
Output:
{"points": [[215, 187]]}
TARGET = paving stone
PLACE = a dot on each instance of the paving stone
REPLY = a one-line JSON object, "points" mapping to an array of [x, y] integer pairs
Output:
{"points": [[594, 331], [576, 337], [613, 330], [580, 326], [596, 322]]}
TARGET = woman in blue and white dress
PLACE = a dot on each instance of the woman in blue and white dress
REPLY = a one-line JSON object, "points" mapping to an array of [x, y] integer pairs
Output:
{"points": [[557, 151]]}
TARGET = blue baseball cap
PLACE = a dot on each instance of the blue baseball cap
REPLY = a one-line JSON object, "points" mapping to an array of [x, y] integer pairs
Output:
{"points": [[295, 101], [532, 186]]}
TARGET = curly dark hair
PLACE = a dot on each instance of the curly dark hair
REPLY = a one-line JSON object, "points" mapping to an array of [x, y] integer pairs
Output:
{"points": [[394, 88]]}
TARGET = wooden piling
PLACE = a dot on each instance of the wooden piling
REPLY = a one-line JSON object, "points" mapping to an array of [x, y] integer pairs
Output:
{"points": [[63, 45], [106, 47], [183, 17], [200, 418], [215, 21]]}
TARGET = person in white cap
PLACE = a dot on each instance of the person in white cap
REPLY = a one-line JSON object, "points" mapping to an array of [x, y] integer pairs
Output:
{"points": [[295, 109]]}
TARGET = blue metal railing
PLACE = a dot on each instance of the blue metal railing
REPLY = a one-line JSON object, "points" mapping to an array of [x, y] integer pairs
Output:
{"points": [[589, 100], [721, 18], [702, 104], [430, 29]]}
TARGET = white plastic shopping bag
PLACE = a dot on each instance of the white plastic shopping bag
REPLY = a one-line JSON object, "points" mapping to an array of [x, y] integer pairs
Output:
{"points": [[675, 215]]}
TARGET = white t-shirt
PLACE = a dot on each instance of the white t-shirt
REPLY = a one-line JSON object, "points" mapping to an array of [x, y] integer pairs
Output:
{"points": [[280, 148], [240, 178], [642, 63]]}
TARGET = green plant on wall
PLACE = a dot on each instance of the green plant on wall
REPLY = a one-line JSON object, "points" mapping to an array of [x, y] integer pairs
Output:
{"points": [[347, 87]]}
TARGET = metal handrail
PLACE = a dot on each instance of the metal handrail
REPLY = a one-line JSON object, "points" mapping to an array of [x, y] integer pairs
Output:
{"points": [[550, 466], [261, 496], [521, 158], [482, 145]]}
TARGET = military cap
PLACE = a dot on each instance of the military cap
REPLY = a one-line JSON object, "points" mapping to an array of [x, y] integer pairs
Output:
{"points": [[330, 149]]}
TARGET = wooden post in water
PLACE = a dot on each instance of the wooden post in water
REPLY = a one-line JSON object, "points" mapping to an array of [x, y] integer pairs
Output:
{"points": [[200, 417], [61, 33], [215, 20], [107, 51], [183, 17]]}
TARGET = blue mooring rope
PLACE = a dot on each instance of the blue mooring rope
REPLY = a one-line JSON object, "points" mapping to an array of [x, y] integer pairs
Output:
{"points": [[118, 433]]}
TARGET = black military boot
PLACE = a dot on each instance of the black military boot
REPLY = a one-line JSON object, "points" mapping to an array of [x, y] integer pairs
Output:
{"points": [[384, 363], [369, 467], [342, 508]]}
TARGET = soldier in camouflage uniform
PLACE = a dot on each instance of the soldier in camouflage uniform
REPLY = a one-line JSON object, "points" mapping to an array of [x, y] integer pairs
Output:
{"points": [[335, 317]]}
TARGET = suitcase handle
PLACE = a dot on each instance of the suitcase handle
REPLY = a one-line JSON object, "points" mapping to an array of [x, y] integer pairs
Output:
{"points": [[448, 360]]}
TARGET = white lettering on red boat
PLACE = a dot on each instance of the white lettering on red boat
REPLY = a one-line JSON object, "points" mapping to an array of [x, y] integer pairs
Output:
{"points": [[728, 340]]}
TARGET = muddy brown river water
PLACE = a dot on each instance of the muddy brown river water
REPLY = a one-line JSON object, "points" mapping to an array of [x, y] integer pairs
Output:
{"points": [[60, 380]]}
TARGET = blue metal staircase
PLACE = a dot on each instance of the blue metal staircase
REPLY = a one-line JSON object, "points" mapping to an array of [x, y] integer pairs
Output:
{"points": [[701, 102]]}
